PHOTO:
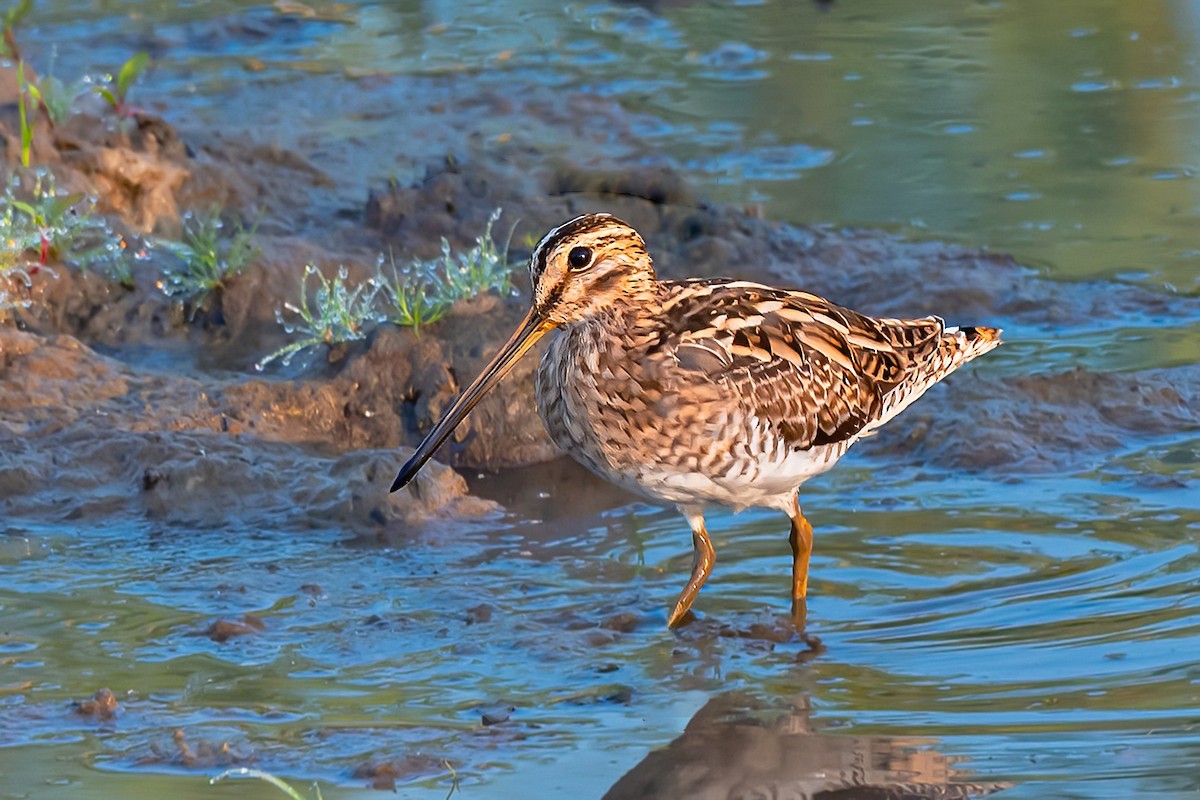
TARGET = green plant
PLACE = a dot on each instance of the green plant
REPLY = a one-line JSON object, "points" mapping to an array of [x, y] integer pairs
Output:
{"points": [[23, 91], [55, 97], [246, 772], [116, 92], [453, 779], [52, 225], [38, 224], [338, 314], [424, 291], [12, 18], [482, 268], [208, 260], [415, 294]]}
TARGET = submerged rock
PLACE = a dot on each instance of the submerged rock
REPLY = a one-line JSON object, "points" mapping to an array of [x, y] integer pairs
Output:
{"points": [[222, 630]]}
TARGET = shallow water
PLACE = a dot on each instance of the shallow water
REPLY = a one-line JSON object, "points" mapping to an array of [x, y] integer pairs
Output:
{"points": [[1045, 628]]}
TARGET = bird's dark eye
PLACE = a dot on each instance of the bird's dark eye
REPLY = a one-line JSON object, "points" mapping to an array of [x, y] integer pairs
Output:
{"points": [[579, 257]]}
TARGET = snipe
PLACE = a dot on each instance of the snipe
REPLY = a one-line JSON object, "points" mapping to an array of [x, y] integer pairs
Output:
{"points": [[706, 391]]}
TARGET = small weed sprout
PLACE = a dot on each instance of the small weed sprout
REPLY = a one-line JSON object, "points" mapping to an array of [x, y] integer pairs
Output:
{"points": [[39, 225], [26, 92], [424, 291], [208, 260], [55, 97], [337, 314], [246, 772], [480, 269], [116, 92], [12, 18], [415, 295]]}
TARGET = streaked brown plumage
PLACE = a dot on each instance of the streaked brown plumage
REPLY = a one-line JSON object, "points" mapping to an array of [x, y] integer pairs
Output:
{"points": [[706, 391]]}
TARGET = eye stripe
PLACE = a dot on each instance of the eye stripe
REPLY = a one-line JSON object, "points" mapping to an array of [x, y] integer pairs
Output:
{"points": [[552, 298]]}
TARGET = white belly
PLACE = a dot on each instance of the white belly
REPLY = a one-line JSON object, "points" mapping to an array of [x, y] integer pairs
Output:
{"points": [[766, 481]]}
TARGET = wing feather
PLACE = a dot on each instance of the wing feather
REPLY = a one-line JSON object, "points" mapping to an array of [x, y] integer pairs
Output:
{"points": [[816, 372]]}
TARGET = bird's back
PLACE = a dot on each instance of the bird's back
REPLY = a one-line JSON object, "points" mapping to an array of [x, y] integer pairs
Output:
{"points": [[819, 372]]}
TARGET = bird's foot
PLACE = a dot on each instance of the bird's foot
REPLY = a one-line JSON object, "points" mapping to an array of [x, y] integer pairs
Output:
{"points": [[680, 615]]}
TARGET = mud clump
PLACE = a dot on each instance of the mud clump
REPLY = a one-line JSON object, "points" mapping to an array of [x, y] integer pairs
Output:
{"points": [[144, 170], [202, 754], [222, 630], [101, 706], [162, 447], [385, 774]]}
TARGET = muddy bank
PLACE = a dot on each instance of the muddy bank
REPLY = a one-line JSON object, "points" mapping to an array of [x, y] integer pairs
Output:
{"points": [[1042, 423], [177, 395], [141, 169], [85, 435]]}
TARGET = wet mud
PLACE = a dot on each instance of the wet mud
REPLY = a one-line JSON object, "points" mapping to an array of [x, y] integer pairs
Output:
{"points": [[85, 434]]}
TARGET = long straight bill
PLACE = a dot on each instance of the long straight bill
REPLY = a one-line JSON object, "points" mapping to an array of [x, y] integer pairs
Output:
{"points": [[526, 336]]}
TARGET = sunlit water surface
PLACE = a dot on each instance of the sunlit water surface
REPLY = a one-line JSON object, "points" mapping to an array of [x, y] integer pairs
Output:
{"points": [[1046, 630]]}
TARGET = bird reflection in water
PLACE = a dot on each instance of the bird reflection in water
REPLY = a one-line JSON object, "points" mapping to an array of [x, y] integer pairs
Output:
{"points": [[729, 751]]}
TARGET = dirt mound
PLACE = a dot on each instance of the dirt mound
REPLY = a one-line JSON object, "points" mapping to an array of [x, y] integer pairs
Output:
{"points": [[142, 169], [81, 433]]}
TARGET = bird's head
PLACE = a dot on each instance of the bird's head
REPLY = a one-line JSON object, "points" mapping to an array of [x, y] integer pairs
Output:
{"points": [[587, 266], [578, 271]]}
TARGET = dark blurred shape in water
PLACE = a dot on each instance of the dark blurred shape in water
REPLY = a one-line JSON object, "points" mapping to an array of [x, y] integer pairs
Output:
{"points": [[731, 750]]}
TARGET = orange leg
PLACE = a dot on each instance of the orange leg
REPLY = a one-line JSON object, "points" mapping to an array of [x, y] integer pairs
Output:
{"points": [[801, 540], [702, 563]]}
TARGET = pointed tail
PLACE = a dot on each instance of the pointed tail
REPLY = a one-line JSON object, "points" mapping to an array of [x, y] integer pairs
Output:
{"points": [[972, 342]]}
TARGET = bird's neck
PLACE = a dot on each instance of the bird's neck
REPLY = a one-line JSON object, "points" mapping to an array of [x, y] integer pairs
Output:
{"points": [[639, 300], [633, 314]]}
